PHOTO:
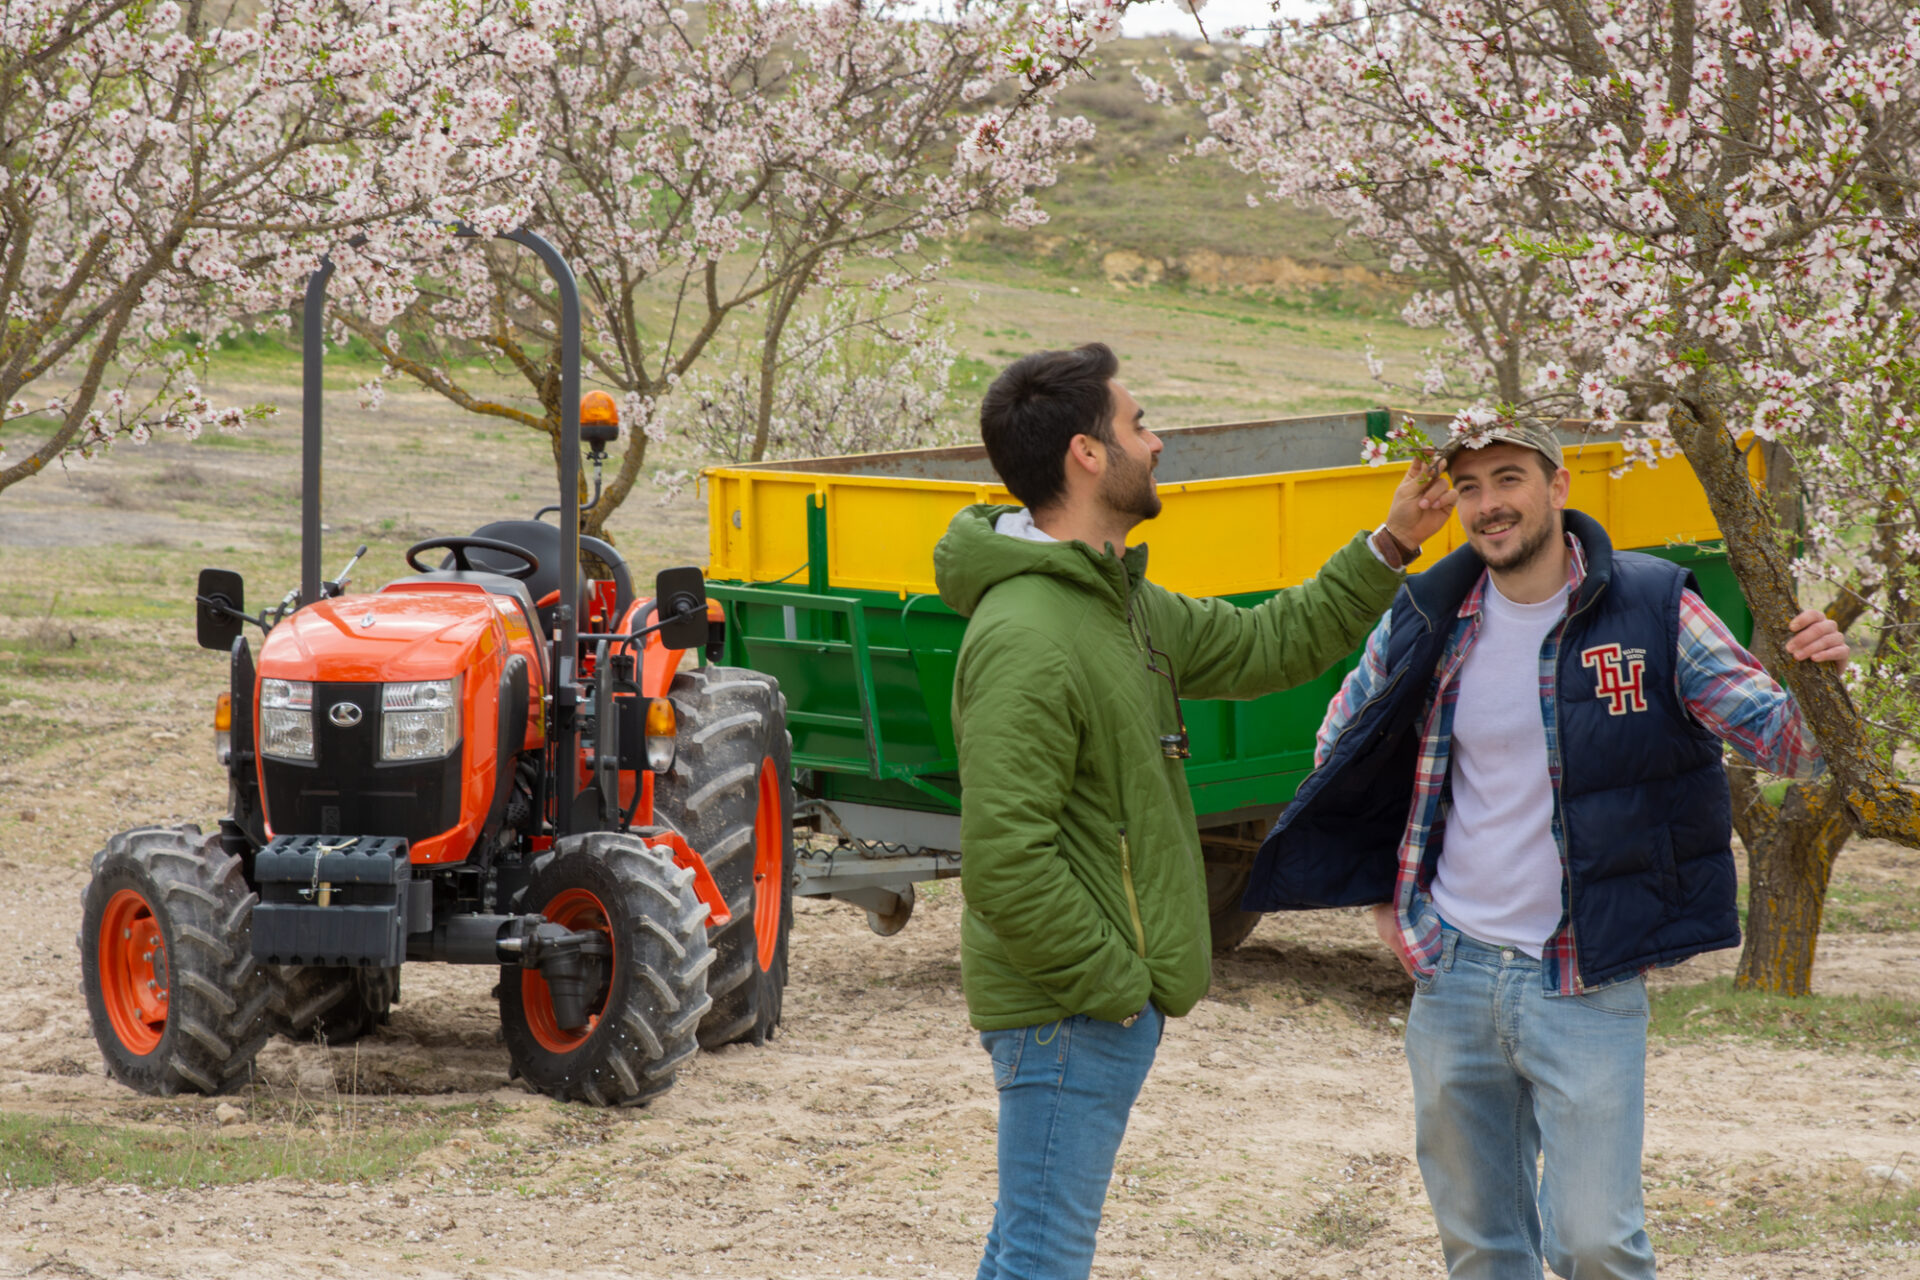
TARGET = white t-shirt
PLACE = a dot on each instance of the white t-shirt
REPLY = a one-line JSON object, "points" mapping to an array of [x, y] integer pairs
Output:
{"points": [[1499, 874]]}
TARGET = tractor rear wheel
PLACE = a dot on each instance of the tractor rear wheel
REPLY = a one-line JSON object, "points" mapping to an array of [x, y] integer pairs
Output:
{"points": [[1228, 853], [730, 793], [338, 1004], [653, 989], [166, 962]]}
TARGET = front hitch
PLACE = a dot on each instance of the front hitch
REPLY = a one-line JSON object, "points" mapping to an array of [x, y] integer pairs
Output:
{"points": [[574, 965]]}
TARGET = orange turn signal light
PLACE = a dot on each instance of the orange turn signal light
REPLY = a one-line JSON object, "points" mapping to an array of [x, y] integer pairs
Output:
{"points": [[223, 713], [660, 718]]}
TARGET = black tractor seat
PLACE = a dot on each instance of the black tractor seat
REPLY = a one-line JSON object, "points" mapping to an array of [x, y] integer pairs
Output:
{"points": [[542, 540]]}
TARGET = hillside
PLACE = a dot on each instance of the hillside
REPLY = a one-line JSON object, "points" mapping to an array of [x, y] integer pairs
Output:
{"points": [[1124, 209]]}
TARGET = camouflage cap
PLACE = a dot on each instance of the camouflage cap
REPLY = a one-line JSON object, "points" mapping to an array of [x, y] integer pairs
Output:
{"points": [[1528, 434]]}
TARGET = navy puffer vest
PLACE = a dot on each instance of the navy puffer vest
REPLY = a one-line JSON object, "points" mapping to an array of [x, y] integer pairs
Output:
{"points": [[1643, 797]]}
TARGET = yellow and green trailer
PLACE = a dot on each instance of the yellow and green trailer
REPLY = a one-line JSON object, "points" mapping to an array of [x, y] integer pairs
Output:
{"points": [[825, 570]]}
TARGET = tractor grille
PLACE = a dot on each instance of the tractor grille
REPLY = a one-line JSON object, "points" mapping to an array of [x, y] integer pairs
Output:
{"points": [[345, 790]]}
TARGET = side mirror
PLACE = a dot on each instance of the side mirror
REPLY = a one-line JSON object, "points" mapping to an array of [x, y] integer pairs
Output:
{"points": [[221, 598], [680, 598]]}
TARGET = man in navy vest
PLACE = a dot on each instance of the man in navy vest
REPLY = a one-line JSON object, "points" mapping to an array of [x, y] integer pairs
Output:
{"points": [[1524, 777]]}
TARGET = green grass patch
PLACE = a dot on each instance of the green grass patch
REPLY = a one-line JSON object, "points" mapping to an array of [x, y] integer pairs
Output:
{"points": [[970, 378], [1871, 908], [1763, 1217], [1859, 908], [1346, 1221], [38, 1151], [1842, 1024], [21, 736]]}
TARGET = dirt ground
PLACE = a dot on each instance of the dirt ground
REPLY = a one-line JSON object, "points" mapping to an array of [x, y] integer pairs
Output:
{"points": [[1274, 1137]]}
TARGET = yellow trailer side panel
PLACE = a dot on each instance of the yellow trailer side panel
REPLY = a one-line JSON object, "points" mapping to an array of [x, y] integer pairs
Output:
{"points": [[1214, 537]]}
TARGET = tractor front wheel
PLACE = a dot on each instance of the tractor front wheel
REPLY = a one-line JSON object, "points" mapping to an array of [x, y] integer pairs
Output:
{"points": [[730, 793], [166, 962], [652, 991]]}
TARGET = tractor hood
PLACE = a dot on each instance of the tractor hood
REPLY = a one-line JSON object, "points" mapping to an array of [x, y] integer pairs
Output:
{"points": [[391, 636]]}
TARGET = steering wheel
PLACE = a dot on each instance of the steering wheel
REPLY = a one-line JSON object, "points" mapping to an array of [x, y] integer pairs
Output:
{"points": [[458, 548]]}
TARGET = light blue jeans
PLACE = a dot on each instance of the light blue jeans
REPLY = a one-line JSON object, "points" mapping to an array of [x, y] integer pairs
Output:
{"points": [[1066, 1090], [1503, 1074]]}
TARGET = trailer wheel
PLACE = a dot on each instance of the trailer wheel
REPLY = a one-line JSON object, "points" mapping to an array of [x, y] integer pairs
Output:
{"points": [[730, 793], [338, 1004], [654, 988], [166, 962], [1228, 853]]}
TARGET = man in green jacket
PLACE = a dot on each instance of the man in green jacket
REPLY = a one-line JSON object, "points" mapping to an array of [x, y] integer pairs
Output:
{"points": [[1086, 919]]}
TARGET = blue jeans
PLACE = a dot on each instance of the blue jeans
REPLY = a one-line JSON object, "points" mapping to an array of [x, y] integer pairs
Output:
{"points": [[1503, 1074], [1066, 1089]]}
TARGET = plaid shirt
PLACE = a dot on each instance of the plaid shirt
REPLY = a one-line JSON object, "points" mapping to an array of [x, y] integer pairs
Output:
{"points": [[1720, 683]]}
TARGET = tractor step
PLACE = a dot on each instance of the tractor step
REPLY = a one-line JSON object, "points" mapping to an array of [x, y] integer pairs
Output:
{"points": [[333, 900]]}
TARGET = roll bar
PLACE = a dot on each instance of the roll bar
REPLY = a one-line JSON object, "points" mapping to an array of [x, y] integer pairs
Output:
{"points": [[566, 648]]}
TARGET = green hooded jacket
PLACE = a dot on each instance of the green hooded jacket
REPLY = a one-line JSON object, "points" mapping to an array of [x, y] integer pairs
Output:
{"points": [[1080, 855]]}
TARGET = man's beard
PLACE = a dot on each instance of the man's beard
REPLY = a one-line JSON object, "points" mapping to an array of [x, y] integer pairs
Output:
{"points": [[1128, 486], [1524, 552]]}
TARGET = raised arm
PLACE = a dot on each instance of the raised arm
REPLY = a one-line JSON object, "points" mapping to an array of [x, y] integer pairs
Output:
{"points": [[1222, 651]]}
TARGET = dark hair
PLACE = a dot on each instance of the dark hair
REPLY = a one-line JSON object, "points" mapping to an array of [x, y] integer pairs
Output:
{"points": [[1036, 407]]}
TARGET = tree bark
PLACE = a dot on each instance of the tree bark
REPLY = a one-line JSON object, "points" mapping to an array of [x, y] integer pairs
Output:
{"points": [[1790, 854], [777, 313], [1880, 804]]}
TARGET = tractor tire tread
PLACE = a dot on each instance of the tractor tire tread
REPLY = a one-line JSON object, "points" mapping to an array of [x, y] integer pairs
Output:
{"points": [[705, 735], [734, 779], [335, 1003], [733, 721], [723, 979]]}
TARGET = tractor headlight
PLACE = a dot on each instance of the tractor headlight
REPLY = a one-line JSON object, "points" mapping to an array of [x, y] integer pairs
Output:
{"points": [[419, 720], [286, 719]]}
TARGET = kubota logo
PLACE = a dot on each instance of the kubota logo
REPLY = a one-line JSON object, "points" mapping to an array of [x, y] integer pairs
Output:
{"points": [[1617, 676], [344, 714]]}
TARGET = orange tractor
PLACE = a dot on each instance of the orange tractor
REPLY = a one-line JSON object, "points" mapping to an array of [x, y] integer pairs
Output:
{"points": [[495, 761]]}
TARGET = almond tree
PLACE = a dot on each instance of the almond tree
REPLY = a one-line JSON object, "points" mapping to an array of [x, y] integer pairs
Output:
{"points": [[170, 171], [711, 168], [1700, 212]]}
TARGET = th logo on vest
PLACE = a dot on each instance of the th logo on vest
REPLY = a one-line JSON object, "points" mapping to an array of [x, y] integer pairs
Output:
{"points": [[1617, 676]]}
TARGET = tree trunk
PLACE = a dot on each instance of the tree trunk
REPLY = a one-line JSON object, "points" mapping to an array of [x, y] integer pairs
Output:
{"points": [[777, 312], [1790, 854], [1880, 804]]}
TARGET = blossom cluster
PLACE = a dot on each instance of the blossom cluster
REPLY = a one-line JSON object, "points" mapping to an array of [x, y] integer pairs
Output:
{"points": [[713, 175], [177, 172]]}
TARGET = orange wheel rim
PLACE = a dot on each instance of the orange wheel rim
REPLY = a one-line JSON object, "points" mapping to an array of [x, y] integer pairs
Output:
{"points": [[580, 911], [134, 976], [769, 864]]}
